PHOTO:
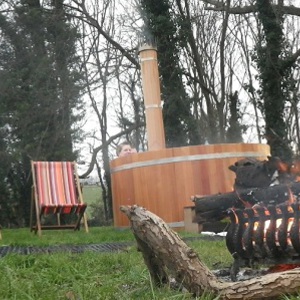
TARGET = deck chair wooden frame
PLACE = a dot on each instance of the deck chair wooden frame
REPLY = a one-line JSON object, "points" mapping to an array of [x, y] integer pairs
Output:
{"points": [[56, 190]]}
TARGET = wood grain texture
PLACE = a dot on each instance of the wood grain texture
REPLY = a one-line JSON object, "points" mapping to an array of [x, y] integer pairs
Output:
{"points": [[163, 181]]}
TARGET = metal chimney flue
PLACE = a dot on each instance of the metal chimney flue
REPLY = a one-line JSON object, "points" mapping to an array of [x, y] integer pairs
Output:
{"points": [[152, 96]]}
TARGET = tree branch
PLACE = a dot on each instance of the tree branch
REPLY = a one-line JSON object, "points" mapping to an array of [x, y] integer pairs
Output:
{"points": [[290, 60], [287, 10], [97, 149], [239, 10], [86, 17]]}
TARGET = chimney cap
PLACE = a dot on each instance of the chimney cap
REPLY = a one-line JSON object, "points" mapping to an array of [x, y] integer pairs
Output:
{"points": [[147, 44]]}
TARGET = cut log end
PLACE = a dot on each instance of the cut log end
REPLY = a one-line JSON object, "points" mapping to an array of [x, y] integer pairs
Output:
{"points": [[125, 209]]}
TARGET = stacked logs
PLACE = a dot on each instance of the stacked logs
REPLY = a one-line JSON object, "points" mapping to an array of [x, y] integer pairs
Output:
{"points": [[257, 182]]}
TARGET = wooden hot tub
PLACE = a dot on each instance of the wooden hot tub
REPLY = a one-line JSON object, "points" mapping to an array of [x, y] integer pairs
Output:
{"points": [[163, 181]]}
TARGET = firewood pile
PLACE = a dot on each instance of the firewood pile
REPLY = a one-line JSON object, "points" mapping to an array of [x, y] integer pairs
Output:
{"points": [[257, 182]]}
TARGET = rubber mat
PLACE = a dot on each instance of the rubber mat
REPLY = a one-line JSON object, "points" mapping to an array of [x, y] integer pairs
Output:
{"points": [[104, 247]]}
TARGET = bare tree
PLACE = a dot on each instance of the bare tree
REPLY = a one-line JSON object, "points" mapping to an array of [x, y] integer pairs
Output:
{"points": [[112, 86], [213, 66], [277, 55]]}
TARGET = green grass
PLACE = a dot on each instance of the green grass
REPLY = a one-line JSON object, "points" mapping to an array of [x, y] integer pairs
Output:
{"points": [[23, 236], [89, 275], [83, 276], [92, 195]]}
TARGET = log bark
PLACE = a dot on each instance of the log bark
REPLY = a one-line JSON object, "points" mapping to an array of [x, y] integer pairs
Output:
{"points": [[166, 254], [216, 205]]}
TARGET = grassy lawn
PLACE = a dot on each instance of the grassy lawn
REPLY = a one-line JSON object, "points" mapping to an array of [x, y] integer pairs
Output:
{"points": [[92, 195], [23, 236], [90, 275]]}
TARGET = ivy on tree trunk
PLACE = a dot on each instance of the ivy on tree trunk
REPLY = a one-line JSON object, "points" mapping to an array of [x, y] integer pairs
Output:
{"points": [[272, 76], [180, 126]]}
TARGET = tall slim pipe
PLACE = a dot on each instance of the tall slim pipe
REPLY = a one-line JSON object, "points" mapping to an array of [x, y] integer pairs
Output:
{"points": [[152, 98]]}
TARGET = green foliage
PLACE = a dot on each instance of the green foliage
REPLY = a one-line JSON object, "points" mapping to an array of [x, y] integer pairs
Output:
{"points": [[39, 92]]}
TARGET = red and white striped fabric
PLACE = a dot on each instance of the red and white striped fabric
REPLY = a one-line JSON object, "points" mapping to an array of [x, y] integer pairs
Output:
{"points": [[56, 187]]}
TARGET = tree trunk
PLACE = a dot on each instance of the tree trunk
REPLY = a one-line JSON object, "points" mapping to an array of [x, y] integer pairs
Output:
{"points": [[165, 253], [272, 77]]}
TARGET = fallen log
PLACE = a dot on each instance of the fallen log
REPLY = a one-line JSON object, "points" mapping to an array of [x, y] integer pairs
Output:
{"points": [[165, 254], [216, 205]]}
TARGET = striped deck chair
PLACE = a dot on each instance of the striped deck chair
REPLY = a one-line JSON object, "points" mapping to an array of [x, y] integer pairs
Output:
{"points": [[56, 190]]}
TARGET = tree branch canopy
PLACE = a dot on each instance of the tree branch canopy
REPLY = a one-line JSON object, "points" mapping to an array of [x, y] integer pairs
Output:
{"points": [[239, 10], [86, 17], [292, 10]]}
